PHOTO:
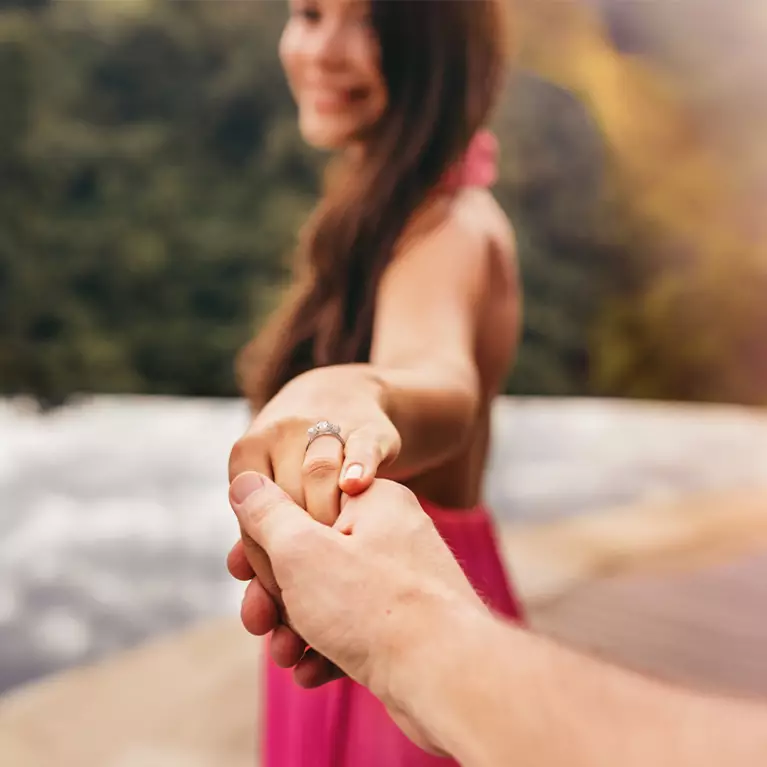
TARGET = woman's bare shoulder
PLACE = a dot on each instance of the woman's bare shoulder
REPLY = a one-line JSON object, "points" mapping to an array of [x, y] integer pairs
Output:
{"points": [[466, 239], [480, 212], [475, 214]]}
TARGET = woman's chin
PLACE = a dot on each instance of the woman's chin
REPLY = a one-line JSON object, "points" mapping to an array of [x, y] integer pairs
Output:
{"points": [[326, 135]]}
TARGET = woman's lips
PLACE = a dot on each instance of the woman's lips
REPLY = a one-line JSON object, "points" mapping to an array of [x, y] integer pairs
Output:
{"points": [[329, 101]]}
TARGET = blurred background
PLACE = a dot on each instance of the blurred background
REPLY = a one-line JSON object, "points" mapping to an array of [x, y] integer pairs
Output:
{"points": [[152, 183]]}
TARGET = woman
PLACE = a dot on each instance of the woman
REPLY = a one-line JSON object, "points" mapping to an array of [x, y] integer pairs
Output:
{"points": [[402, 323]]}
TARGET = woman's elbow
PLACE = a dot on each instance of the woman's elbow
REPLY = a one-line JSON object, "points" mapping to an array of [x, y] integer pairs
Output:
{"points": [[456, 413]]}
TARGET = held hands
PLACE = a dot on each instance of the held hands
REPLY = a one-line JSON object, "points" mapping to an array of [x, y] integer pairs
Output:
{"points": [[313, 475], [368, 593]]}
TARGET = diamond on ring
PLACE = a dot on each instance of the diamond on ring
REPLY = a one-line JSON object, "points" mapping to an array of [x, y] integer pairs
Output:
{"points": [[324, 428]]}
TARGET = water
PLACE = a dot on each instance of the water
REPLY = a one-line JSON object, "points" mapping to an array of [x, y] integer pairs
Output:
{"points": [[114, 523]]}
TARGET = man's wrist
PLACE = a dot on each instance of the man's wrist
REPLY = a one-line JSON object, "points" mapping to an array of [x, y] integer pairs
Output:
{"points": [[487, 693], [425, 667]]}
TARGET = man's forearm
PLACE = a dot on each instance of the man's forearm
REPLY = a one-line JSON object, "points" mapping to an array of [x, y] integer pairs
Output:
{"points": [[491, 694]]}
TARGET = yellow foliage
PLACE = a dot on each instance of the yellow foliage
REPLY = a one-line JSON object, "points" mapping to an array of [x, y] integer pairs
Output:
{"points": [[697, 315]]}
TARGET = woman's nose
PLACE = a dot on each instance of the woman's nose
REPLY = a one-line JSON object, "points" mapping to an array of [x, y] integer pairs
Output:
{"points": [[329, 47]]}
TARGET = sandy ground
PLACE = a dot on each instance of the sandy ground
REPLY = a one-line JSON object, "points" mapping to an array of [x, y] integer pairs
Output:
{"points": [[675, 589]]}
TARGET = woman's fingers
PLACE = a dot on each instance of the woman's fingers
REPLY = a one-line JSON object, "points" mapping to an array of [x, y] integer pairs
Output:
{"points": [[363, 456], [319, 471], [318, 492], [286, 467], [249, 453]]}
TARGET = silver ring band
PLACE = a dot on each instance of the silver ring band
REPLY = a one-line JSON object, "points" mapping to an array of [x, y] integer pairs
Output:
{"points": [[324, 429]]}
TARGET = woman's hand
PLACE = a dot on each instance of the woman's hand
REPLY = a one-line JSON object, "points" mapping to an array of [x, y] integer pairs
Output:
{"points": [[275, 445]]}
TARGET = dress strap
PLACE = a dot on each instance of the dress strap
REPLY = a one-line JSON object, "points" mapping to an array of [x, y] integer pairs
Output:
{"points": [[479, 166]]}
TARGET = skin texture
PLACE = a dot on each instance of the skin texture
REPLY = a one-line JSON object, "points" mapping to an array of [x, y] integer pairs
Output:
{"points": [[519, 698]]}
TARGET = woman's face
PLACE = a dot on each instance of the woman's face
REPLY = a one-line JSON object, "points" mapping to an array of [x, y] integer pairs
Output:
{"points": [[332, 61]]}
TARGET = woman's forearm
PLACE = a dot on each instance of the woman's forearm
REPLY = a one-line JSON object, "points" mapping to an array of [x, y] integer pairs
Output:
{"points": [[433, 409]]}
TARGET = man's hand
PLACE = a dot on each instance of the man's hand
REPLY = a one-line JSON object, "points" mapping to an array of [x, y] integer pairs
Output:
{"points": [[364, 594], [381, 595]]}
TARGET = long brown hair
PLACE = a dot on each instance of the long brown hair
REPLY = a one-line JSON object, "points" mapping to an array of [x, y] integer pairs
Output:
{"points": [[443, 63]]}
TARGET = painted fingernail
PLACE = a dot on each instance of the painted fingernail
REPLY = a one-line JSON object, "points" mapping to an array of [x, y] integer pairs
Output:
{"points": [[354, 471], [245, 485]]}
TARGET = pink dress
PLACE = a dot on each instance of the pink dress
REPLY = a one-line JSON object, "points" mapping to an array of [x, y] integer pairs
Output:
{"points": [[342, 724]]}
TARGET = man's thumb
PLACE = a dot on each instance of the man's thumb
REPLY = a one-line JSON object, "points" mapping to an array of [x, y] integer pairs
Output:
{"points": [[267, 514]]}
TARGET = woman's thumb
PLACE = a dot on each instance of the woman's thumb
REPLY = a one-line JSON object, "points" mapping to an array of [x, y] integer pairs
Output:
{"points": [[362, 457]]}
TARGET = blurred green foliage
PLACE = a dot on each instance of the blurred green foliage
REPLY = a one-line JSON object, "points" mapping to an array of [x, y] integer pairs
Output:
{"points": [[152, 182]]}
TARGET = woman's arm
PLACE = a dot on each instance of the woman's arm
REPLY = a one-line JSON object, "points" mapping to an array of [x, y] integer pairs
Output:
{"points": [[414, 404], [424, 351]]}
